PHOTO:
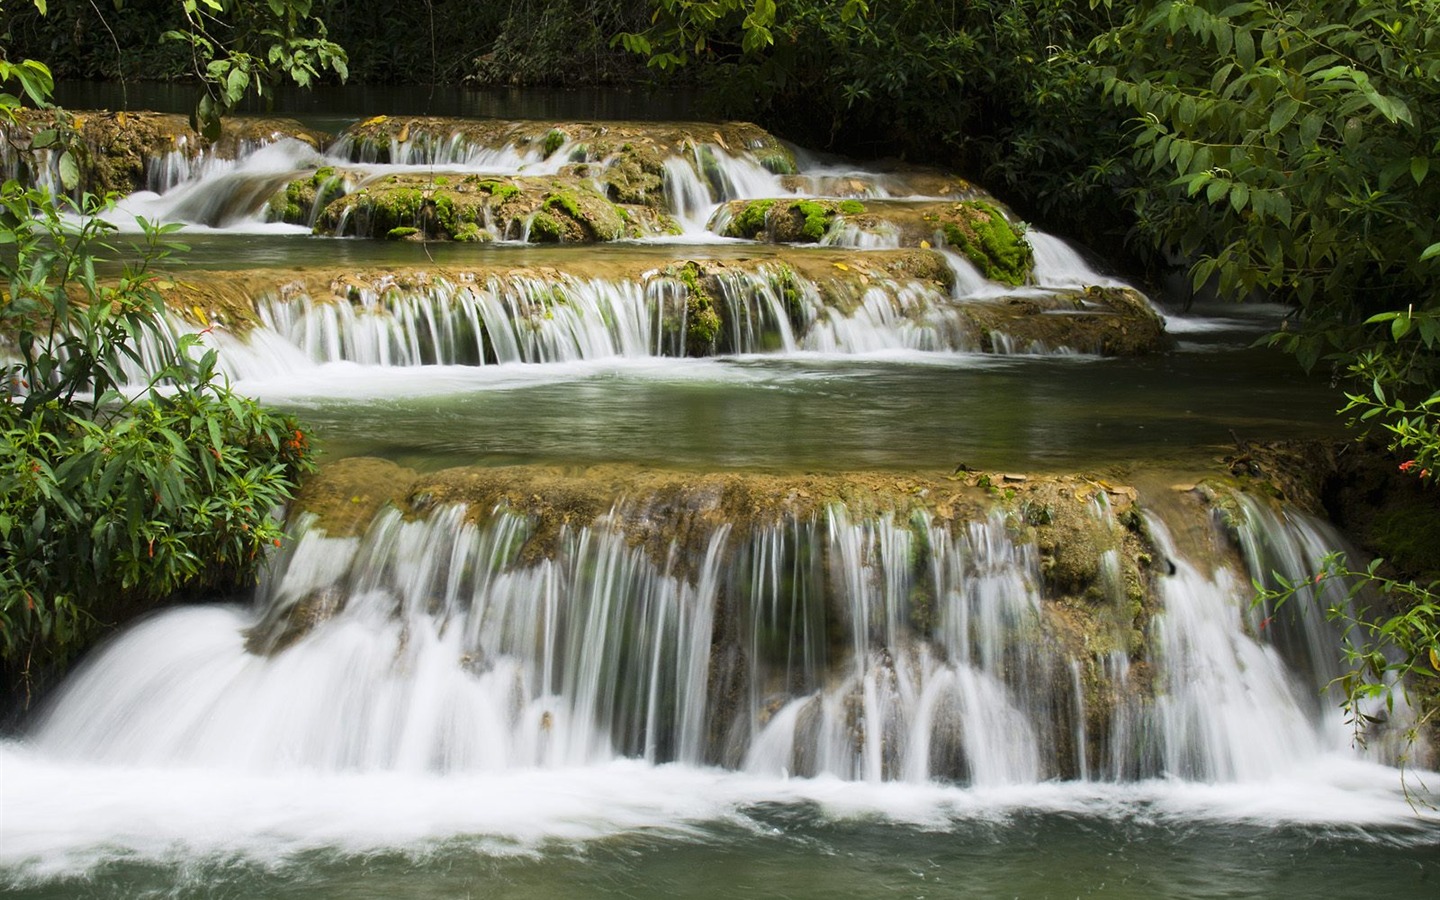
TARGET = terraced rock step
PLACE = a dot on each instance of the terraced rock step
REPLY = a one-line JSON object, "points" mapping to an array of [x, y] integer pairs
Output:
{"points": [[562, 208], [978, 228], [811, 596], [130, 151], [827, 301]]}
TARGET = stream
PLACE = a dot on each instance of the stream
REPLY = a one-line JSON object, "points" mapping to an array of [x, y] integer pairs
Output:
{"points": [[708, 683]]}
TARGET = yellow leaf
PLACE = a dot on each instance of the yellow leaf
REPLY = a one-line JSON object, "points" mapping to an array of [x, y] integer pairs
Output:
{"points": [[842, 267], [1434, 659], [924, 245], [200, 315], [374, 121]]}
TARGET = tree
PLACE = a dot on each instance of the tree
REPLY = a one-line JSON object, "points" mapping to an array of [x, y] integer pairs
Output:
{"points": [[1285, 150], [245, 47]]}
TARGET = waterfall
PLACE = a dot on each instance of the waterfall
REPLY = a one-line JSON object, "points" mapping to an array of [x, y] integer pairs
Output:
{"points": [[218, 192], [856, 645], [686, 196], [1058, 265], [468, 320]]}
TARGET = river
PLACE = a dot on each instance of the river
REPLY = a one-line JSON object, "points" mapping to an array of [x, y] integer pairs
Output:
{"points": [[709, 687]]}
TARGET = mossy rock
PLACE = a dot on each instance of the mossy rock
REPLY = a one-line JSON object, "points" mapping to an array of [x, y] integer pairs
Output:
{"points": [[371, 140], [299, 201], [702, 315], [547, 210], [1105, 321], [782, 221], [988, 239], [114, 149], [637, 176]]}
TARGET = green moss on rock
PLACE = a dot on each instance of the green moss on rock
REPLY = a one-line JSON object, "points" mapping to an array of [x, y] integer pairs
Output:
{"points": [[995, 245], [554, 140], [702, 319], [750, 221]]}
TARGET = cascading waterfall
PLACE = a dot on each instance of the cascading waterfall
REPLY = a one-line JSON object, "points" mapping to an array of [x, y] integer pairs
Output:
{"points": [[863, 647], [554, 318]]}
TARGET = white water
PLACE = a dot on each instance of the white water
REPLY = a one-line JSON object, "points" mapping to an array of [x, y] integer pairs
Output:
{"points": [[451, 689], [562, 318]]}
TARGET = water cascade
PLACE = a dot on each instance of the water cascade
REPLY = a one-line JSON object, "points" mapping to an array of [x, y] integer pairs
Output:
{"points": [[860, 646], [695, 562]]}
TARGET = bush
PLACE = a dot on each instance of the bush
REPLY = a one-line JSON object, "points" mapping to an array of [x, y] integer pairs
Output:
{"points": [[113, 497]]}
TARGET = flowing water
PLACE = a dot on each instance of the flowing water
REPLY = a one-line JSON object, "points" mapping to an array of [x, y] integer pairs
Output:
{"points": [[686, 695]]}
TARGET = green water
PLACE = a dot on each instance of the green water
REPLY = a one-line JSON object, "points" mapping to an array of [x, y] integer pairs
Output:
{"points": [[789, 853], [831, 415], [1180, 409]]}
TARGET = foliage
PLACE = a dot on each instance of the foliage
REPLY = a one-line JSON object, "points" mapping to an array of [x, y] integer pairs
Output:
{"points": [[109, 500], [555, 42], [240, 46], [986, 86], [1285, 149], [1383, 651], [560, 42]]}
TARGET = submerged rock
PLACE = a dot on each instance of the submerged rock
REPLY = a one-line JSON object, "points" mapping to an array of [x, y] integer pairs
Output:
{"points": [[1105, 321]]}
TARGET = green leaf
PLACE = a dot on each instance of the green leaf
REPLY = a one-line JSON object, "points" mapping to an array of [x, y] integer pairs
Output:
{"points": [[1419, 166], [69, 171], [1239, 196], [235, 84], [1284, 113]]}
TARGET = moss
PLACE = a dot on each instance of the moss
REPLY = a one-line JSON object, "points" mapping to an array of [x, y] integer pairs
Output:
{"points": [[471, 233], [445, 214], [788, 285], [750, 221], [636, 176], [817, 218], [499, 191], [401, 232], [710, 169], [778, 163], [545, 229], [851, 207], [702, 321], [554, 140], [566, 201], [996, 247]]}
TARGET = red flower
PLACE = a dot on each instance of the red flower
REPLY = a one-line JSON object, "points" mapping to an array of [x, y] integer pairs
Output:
{"points": [[1407, 465]]}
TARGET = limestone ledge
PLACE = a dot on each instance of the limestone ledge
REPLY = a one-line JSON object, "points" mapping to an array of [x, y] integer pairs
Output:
{"points": [[1111, 321], [114, 150]]}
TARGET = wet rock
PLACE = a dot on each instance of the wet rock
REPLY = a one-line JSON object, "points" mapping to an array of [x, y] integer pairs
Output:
{"points": [[118, 151], [626, 158], [556, 209], [1106, 321]]}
